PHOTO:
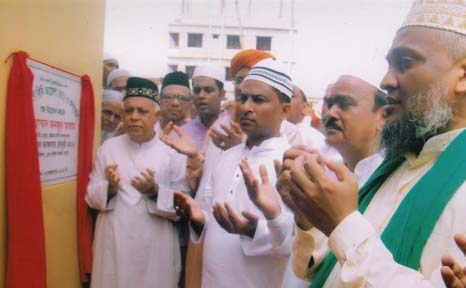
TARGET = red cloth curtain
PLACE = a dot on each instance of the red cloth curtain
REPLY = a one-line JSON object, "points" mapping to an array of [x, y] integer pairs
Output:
{"points": [[26, 264], [86, 137], [26, 259]]}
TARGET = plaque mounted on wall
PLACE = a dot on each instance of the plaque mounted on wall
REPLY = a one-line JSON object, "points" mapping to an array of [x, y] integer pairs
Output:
{"points": [[56, 100]]}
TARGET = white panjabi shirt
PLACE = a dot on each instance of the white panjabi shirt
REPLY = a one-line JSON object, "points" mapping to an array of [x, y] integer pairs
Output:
{"points": [[363, 259], [301, 252], [135, 243], [231, 260], [312, 138]]}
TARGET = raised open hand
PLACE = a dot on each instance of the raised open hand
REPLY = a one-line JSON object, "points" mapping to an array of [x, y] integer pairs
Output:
{"points": [[113, 178], [263, 194], [145, 183], [232, 223], [184, 145], [187, 208], [233, 136], [284, 186], [293, 153], [328, 201], [453, 274]]}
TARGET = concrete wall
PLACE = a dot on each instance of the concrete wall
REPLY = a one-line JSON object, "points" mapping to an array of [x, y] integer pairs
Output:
{"points": [[67, 34]]}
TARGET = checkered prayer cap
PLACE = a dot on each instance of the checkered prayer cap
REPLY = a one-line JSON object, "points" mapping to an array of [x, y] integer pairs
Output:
{"points": [[272, 73]]}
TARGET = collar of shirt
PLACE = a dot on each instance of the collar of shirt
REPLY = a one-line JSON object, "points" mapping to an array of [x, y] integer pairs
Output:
{"points": [[143, 145], [267, 145], [306, 121], [157, 128], [285, 126], [197, 122], [432, 148], [366, 167]]}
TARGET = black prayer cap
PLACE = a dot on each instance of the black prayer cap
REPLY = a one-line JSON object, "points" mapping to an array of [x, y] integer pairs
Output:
{"points": [[176, 78], [140, 87]]}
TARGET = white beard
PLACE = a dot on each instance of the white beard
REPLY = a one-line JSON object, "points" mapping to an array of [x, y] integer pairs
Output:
{"points": [[429, 115], [104, 135]]}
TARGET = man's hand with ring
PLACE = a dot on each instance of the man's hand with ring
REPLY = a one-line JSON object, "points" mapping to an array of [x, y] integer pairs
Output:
{"points": [[233, 136]]}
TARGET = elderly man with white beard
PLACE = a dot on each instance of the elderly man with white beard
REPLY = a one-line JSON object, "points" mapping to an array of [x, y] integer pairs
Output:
{"points": [[395, 232], [112, 110]]}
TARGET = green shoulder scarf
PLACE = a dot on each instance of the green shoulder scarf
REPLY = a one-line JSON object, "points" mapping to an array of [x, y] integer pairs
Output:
{"points": [[408, 230]]}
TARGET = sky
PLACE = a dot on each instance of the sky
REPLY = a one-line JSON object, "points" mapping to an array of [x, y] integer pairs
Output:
{"points": [[334, 37]]}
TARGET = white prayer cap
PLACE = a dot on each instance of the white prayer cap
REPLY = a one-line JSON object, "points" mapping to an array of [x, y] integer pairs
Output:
{"points": [[108, 56], [272, 73], [448, 15], [215, 72], [117, 73], [112, 95], [373, 80]]}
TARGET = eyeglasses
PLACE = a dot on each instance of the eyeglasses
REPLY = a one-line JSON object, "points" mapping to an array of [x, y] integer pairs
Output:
{"points": [[181, 98]]}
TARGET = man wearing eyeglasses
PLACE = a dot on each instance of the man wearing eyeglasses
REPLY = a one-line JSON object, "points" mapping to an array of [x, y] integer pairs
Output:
{"points": [[175, 99], [175, 105]]}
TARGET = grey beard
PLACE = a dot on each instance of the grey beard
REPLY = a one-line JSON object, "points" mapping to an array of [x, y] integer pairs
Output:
{"points": [[410, 133], [106, 135]]}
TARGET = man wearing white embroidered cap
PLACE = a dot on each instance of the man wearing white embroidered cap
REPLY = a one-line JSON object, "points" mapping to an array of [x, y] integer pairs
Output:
{"points": [[208, 94], [394, 232], [247, 237], [112, 109]]}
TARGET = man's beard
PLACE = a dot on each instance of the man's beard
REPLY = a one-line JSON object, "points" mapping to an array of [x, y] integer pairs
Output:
{"points": [[104, 135], [428, 116]]}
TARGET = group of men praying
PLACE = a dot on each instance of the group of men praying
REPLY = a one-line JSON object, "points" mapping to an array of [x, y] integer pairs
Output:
{"points": [[195, 191]]}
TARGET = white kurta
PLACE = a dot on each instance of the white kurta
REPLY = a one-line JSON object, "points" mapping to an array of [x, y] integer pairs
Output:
{"points": [[301, 252], [312, 138], [291, 132], [204, 193], [212, 155], [363, 259], [135, 245], [231, 260]]}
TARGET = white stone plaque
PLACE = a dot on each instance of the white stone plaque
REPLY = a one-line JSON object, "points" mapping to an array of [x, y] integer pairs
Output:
{"points": [[56, 98]]}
